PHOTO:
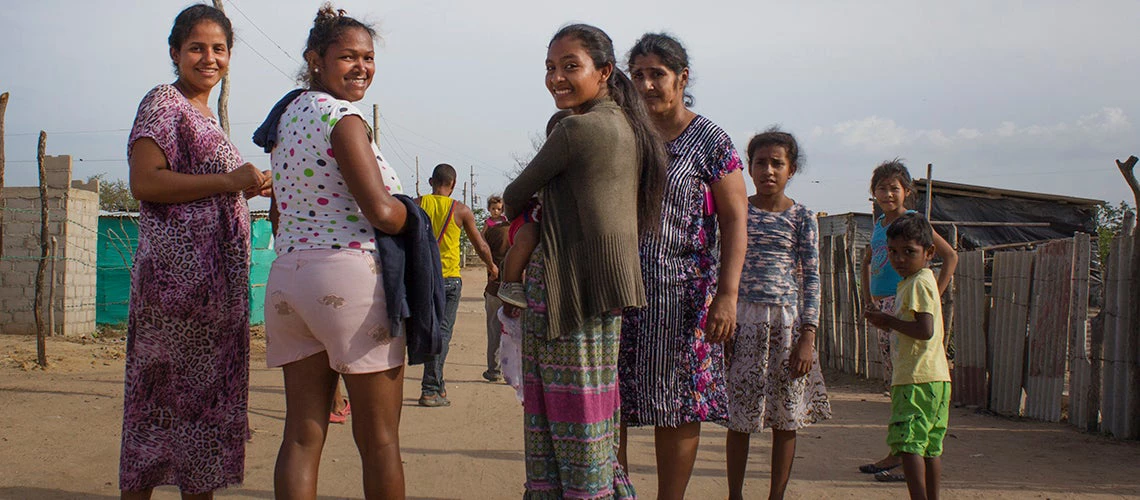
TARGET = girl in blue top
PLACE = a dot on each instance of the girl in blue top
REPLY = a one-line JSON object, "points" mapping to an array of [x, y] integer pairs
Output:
{"points": [[893, 189]]}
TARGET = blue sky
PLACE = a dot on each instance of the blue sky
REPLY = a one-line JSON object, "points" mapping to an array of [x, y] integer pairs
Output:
{"points": [[1036, 96]]}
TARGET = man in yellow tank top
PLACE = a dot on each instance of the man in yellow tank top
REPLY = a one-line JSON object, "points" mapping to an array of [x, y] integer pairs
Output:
{"points": [[447, 216]]}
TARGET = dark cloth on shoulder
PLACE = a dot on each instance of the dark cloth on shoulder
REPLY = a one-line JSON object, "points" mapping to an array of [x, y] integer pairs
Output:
{"points": [[413, 283], [266, 134]]}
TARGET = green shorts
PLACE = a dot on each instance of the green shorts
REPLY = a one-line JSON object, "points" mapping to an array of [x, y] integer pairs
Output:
{"points": [[920, 414]]}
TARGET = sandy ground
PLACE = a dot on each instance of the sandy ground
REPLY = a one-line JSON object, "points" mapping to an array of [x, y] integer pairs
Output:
{"points": [[60, 427]]}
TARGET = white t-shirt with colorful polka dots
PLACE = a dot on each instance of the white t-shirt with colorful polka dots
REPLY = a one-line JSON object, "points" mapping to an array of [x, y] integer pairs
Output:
{"points": [[317, 210]]}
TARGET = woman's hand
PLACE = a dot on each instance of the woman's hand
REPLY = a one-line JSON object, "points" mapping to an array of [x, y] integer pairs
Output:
{"points": [[264, 189], [244, 178], [720, 324], [800, 361]]}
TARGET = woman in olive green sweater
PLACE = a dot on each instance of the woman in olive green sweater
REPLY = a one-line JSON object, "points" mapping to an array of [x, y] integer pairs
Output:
{"points": [[599, 177]]}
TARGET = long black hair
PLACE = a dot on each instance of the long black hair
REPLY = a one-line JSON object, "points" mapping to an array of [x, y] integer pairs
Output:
{"points": [[650, 148]]}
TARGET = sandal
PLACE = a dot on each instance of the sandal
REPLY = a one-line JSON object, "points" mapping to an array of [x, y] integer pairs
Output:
{"points": [[887, 477], [339, 417], [872, 468]]}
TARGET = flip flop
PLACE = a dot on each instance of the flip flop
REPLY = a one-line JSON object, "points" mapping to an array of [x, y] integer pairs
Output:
{"points": [[871, 468], [887, 477]]}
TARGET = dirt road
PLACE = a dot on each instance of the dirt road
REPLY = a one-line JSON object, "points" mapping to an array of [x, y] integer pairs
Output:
{"points": [[59, 437]]}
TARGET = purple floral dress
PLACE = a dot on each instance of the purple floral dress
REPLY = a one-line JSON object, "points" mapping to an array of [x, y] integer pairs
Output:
{"points": [[187, 373], [669, 374]]}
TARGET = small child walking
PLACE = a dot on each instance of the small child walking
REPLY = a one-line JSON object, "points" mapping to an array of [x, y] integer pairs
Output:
{"points": [[893, 190], [920, 385], [773, 378]]}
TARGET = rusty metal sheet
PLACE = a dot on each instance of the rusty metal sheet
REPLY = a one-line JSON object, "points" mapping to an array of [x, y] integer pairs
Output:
{"points": [[1115, 416], [1080, 359], [970, 375], [1049, 330], [1012, 274]]}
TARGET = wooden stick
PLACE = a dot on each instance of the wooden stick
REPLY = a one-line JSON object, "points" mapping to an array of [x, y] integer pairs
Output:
{"points": [[3, 203], [41, 331], [224, 95], [929, 188], [1127, 169]]}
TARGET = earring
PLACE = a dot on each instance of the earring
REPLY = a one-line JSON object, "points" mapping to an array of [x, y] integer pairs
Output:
{"points": [[316, 70]]}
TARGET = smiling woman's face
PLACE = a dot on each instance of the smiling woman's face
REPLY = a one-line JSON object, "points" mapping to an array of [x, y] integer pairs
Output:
{"points": [[571, 76], [203, 58], [347, 68]]}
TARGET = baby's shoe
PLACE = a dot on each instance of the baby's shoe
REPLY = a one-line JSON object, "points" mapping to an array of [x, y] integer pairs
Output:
{"points": [[512, 293]]}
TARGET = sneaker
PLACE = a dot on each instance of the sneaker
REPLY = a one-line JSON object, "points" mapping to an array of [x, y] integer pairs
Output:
{"points": [[433, 400], [492, 376], [512, 293]]}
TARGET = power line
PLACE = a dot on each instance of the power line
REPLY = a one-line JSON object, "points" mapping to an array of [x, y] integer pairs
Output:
{"points": [[99, 131], [255, 26], [266, 59]]}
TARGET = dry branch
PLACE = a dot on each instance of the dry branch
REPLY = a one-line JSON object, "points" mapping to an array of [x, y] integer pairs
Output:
{"points": [[3, 204], [1127, 169], [41, 333]]}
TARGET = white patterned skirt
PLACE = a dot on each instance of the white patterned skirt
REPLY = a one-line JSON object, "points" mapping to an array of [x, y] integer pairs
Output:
{"points": [[761, 390]]}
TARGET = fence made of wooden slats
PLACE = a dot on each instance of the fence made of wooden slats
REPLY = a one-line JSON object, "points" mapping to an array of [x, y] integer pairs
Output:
{"points": [[1119, 347], [971, 384]]}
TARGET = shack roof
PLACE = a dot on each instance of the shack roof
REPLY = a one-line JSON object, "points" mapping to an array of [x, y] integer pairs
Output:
{"points": [[993, 217], [968, 190]]}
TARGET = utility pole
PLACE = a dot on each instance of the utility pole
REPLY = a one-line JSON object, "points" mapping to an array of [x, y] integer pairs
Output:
{"points": [[474, 199], [3, 204], [376, 125], [465, 194], [418, 176], [224, 95]]}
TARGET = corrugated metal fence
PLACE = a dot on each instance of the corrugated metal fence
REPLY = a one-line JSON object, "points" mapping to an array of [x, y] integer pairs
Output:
{"points": [[1024, 348]]}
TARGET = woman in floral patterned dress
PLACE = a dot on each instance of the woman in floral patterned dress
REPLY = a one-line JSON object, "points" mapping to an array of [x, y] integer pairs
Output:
{"points": [[187, 372]]}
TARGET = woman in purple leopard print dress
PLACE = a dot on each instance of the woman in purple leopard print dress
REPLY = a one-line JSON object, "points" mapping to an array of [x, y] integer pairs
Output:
{"points": [[187, 373]]}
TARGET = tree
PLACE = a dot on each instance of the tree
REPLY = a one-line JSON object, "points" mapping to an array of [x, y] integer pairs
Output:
{"points": [[115, 196], [1109, 223]]}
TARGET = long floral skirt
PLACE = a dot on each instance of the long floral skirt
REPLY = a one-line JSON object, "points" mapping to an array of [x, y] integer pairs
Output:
{"points": [[761, 390], [571, 406]]}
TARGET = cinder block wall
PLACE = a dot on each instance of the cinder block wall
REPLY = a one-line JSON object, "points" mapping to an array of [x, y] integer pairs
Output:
{"points": [[73, 212]]}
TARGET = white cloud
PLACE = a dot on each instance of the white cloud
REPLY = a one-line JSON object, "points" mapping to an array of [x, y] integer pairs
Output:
{"points": [[878, 134]]}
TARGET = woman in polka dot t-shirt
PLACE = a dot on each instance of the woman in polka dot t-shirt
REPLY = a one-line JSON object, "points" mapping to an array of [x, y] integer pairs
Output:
{"points": [[325, 298]]}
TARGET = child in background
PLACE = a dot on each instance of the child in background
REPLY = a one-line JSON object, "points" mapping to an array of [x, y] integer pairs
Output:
{"points": [[893, 189], [495, 234], [774, 379], [920, 385], [523, 240]]}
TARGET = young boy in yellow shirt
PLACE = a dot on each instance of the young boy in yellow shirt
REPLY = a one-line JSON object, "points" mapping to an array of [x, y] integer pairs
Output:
{"points": [[920, 387]]}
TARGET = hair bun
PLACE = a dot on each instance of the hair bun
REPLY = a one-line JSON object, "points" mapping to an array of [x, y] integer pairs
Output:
{"points": [[328, 13]]}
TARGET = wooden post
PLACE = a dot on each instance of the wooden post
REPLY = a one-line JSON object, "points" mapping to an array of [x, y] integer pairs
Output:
{"points": [[41, 332], [1127, 169], [929, 188], [418, 176], [3, 204], [224, 95], [51, 291], [948, 306], [376, 125]]}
